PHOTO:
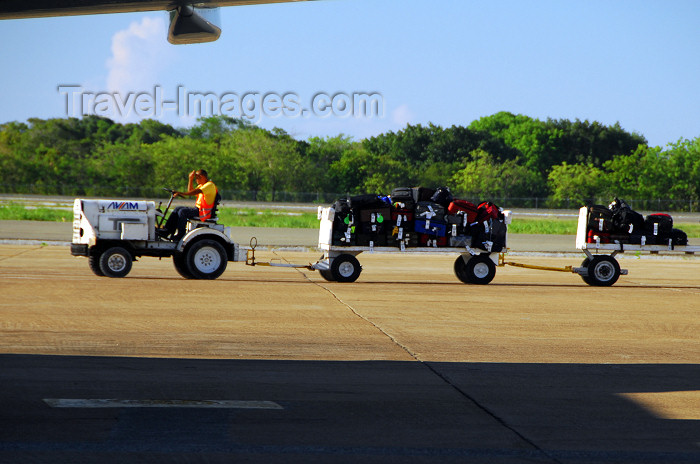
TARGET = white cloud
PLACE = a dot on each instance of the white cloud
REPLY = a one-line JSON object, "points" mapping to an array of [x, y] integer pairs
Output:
{"points": [[139, 53], [402, 116]]}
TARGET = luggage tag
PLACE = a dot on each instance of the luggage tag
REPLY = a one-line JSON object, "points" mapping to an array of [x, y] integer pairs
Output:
{"points": [[454, 230], [371, 246], [427, 224], [487, 229], [398, 219], [400, 237], [403, 246], [600, 224]]}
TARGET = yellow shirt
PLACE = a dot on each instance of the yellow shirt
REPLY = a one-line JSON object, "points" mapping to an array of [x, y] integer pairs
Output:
{"points": [[207, 197]]}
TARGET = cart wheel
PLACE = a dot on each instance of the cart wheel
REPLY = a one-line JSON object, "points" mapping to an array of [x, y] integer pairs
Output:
{"points": [[206, 259], [345, 268], [603, 271], [586, 279], [181, 266], [461, 269], [327, 274], [115, 262], [479, 269]]}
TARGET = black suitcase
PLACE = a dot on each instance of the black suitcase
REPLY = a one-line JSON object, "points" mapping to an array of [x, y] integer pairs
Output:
{"points": [[659, 225], [627, 221], [403, 195], [429, 210], [371, 240], [442, 196], [422, 194], [600, 219], [491, 232], [368, 201], [678, 237]]}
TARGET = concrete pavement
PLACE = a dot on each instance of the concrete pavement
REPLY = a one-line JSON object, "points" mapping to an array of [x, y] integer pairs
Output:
{"points": [[406, 365]]}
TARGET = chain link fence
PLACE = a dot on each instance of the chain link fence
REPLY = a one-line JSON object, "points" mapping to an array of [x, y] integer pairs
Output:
{"points": [[321, 198]]}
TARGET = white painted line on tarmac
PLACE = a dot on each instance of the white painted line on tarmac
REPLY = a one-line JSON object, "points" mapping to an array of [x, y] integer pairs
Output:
{"points": [[120, 403]]}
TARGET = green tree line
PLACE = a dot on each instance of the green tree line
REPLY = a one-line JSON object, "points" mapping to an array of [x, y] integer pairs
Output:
{"points": [[502, 156]]}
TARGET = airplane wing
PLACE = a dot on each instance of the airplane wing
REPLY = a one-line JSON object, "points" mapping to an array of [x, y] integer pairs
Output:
{"points": [[18, 9], [193, 21]]}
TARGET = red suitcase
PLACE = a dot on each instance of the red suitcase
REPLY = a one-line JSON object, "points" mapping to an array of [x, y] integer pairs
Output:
{"points": [[465, 207]]}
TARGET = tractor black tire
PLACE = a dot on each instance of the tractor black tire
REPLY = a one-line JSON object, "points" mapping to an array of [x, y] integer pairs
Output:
{"points": [[94, 263], [206, 259], [115, 262], [345, 268], [181, 266]]}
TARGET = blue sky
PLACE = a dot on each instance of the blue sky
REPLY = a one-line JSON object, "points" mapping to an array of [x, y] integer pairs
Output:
{"points": [[443, 61]]}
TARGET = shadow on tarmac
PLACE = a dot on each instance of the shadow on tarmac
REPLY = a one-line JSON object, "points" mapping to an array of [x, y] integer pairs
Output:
{"points": [[370, 411]]}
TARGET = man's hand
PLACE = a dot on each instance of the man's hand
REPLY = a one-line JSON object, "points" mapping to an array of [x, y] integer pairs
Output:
{"points": [[191, 175]]}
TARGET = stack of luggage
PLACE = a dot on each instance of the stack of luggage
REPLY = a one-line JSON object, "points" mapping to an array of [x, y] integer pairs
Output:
{"points": [[418, 217], [619, 223]]}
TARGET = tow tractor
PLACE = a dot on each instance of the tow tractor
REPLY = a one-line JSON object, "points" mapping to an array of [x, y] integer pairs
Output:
{"points": [[114, 233]]}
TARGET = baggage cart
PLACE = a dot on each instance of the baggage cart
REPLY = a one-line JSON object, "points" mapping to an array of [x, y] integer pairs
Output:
{"points": [[600, 268], [340, 264]]}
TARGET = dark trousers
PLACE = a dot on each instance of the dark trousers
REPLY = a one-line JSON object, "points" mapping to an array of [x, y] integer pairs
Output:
{"points": [[178, 219]]}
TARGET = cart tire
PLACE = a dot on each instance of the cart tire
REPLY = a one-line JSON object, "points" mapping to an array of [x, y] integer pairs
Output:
{"points": [[479, 269], [181, 266], [115, 262], [603, 271], [206, 259], [327, 274], [586, 279], [94, 263], [461, 269], [345, 268]]}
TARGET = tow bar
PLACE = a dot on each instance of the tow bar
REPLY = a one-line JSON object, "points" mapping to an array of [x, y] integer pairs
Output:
{"points": [[250, 259]]}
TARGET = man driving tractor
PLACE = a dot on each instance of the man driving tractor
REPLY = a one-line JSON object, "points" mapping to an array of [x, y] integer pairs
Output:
{"points": [[206, 193]]}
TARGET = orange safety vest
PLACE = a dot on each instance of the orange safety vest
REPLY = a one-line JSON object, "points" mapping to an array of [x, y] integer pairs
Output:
{"points": [[205, 209]]}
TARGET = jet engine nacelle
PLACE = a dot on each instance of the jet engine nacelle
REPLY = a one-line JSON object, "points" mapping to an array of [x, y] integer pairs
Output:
{"points": [[190, 24]]}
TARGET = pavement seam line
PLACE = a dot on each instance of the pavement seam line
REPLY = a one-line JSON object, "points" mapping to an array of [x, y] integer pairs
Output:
{"points": [[490, 413], [435, 372], [21, 253], [339, 300]]}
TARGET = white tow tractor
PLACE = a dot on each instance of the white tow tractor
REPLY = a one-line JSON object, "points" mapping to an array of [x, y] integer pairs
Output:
{"points": [[114, 233]]}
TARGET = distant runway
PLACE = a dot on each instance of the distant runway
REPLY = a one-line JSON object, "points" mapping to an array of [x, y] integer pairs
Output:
{"points": [[405, 365]]}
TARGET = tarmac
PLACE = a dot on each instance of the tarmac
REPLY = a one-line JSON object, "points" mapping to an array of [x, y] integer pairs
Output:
{"points": [[406, 365]]}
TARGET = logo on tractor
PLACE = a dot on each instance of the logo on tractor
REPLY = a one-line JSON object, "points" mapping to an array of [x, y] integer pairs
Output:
{"points": [[123, 205]]}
